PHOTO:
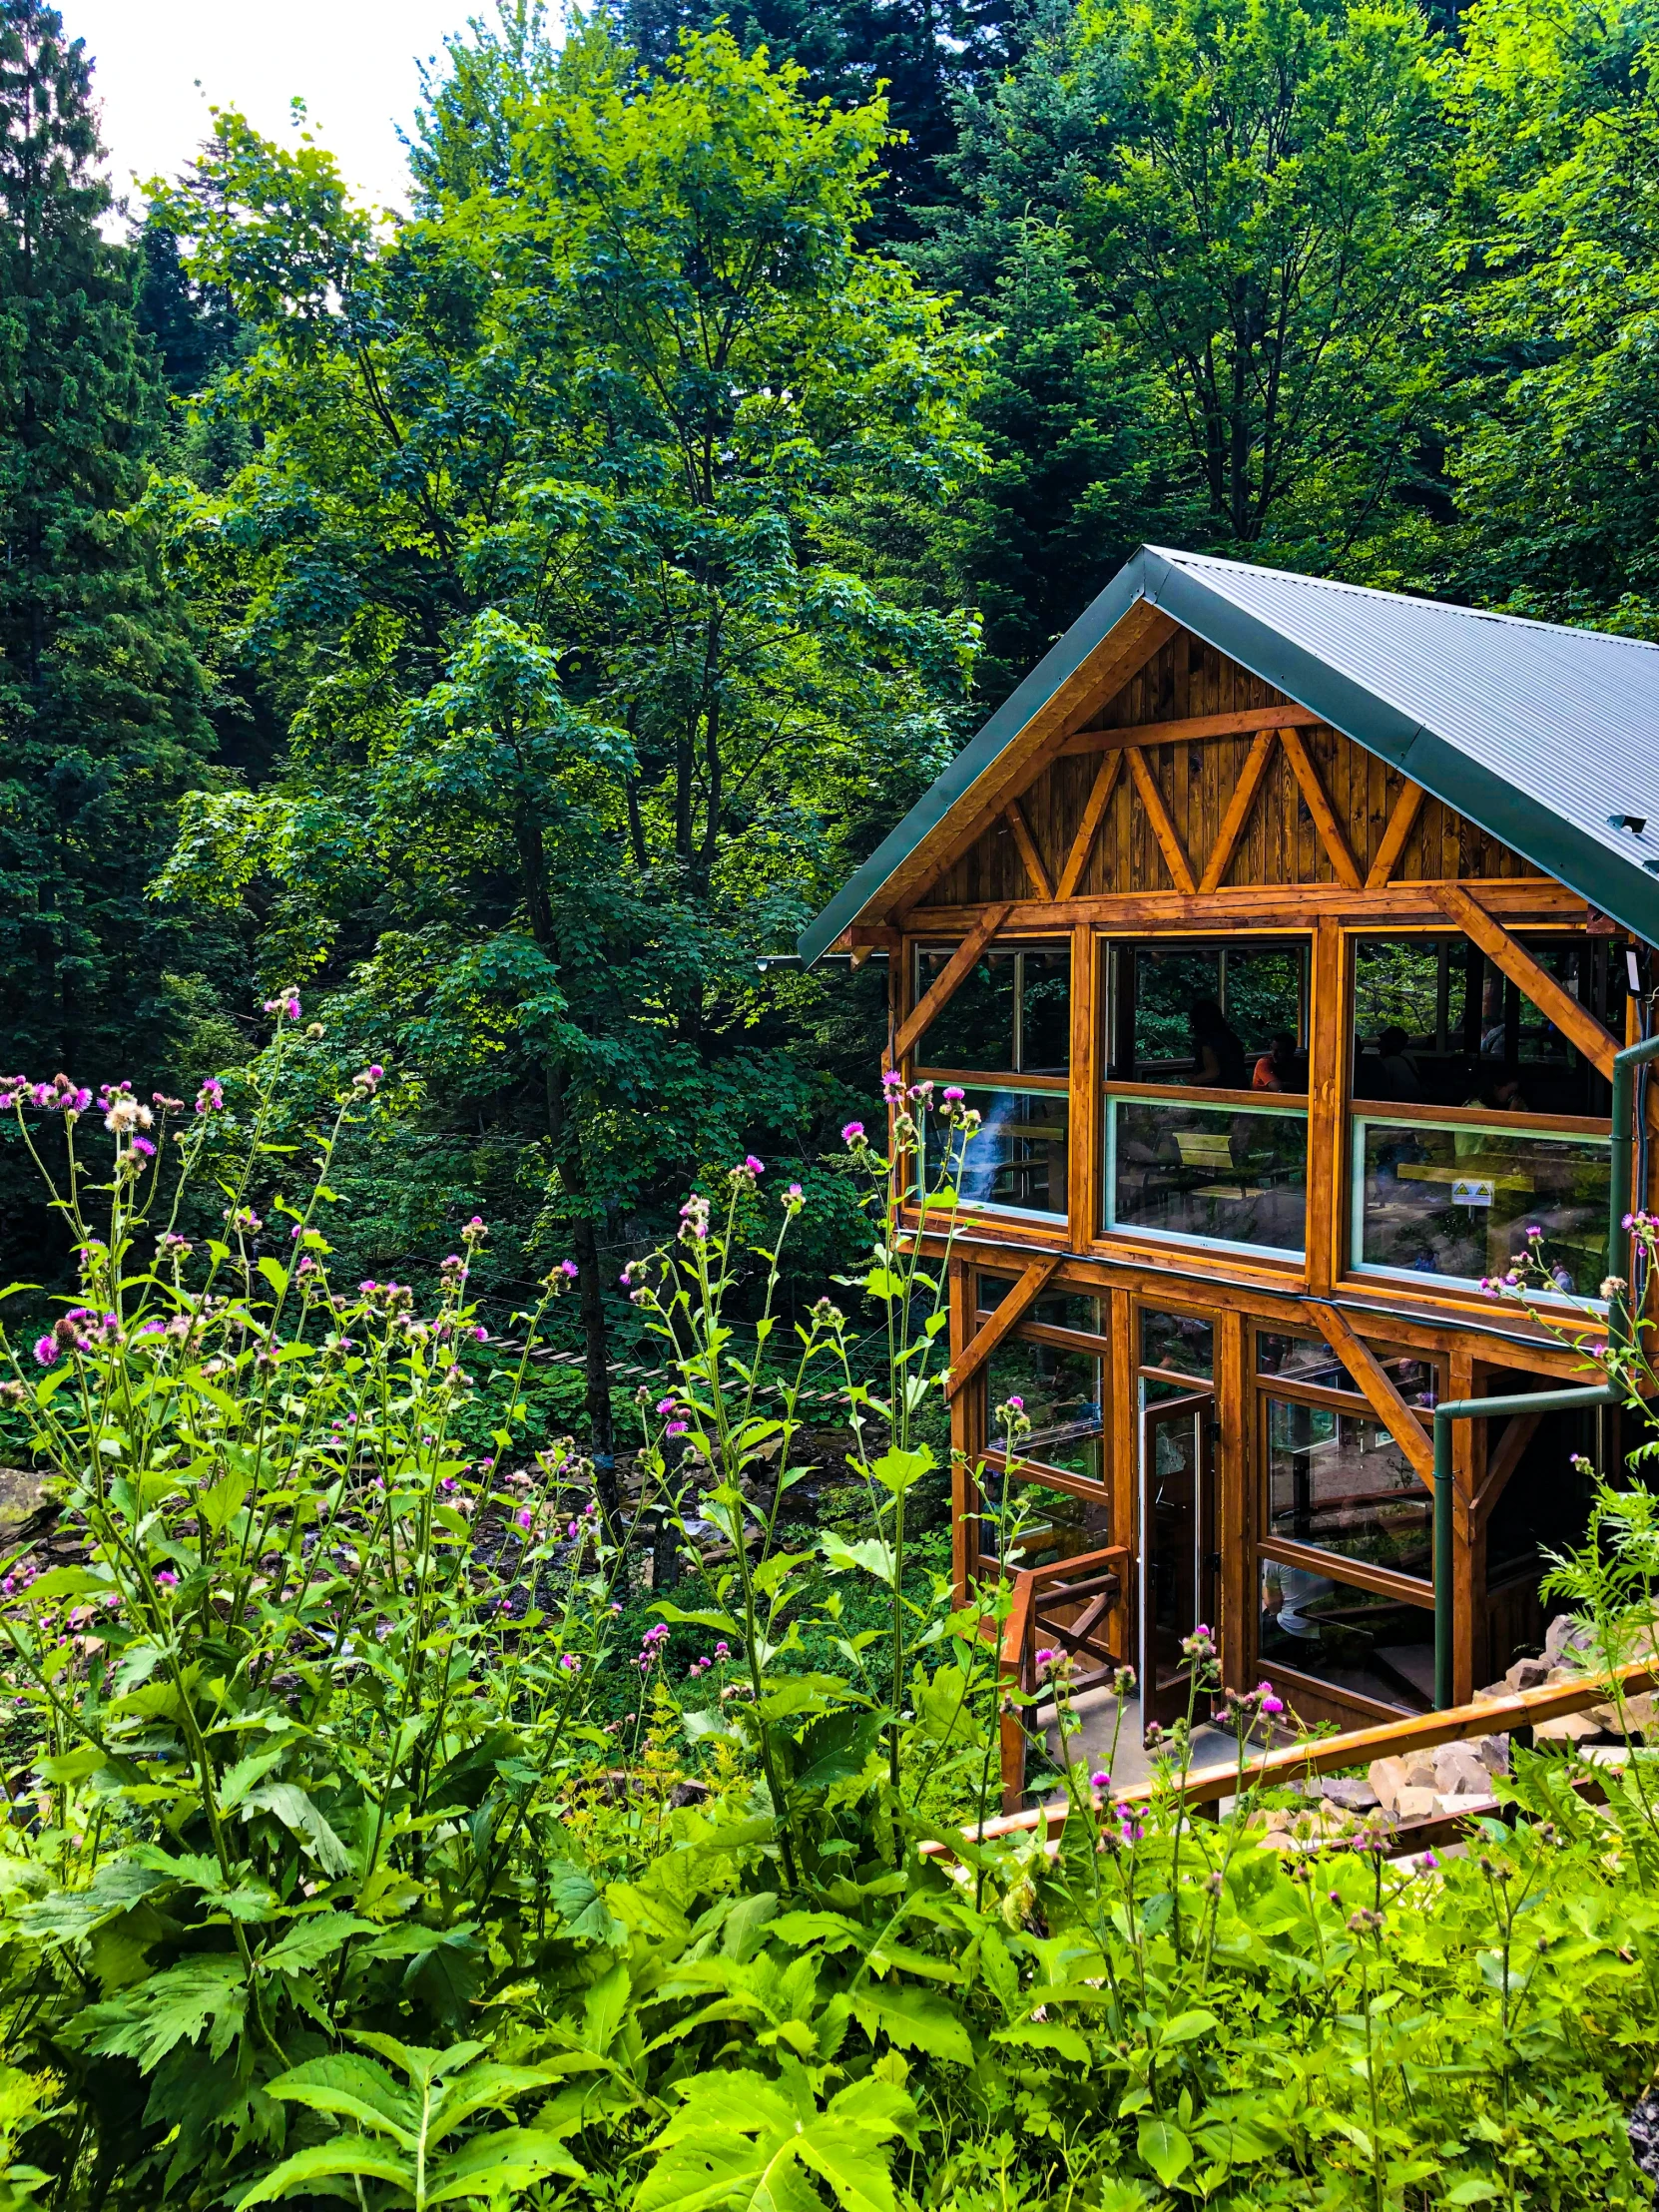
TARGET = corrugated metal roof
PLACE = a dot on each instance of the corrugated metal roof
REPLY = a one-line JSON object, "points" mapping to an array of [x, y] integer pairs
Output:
{"points": [[1537, 732]]}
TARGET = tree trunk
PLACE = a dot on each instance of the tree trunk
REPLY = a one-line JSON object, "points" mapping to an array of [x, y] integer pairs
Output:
{"points": [[601, 1430]]}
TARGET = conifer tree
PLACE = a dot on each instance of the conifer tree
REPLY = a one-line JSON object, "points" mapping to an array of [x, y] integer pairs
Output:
{"points": [[101, 701]]}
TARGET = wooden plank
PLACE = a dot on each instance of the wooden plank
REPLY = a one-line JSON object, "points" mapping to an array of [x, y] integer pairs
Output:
{"points": [[1167, 836], [1468, 1596], [1016, 1635], [1014, 814], [1121, 1426], [1083, 1148], [1006, 1317], [1327, 1121], [1319, 806], [944, 984], [1196, 728], [1265, 906], [1238, 810], [1379, 1391], [1401, 821], [1597, 1045], [1100, 795]]}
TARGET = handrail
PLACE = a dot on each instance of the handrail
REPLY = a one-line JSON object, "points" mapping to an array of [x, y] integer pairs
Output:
{"points": [[1015, 1662], [1419, 1732]]}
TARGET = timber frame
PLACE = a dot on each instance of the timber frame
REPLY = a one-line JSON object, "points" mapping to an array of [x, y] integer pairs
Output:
{"points": [[1159, 793]]}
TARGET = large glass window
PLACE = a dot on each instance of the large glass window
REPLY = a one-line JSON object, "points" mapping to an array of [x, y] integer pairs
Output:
{"points": [[1340, 1483], [1363, 1641], [1010, 1014], [1061, 1392], [1222, 1175], [1436, 1023], [1460, 1199], [1016, 1160], [1223, 1015], [1074, 1310]]}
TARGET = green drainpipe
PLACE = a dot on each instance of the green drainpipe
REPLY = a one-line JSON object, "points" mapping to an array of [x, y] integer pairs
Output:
{"points": [[1625, 1064]]}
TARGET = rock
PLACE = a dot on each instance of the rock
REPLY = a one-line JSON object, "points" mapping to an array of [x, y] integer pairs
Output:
{"points": [[1571, 1728], [1413, 1804], [1352, 1795], [687, 1792], [1388, 1777], [1456, 1805], [1525, 1673], [1643, 2125], [23, 1502], [1565, 1635], [1460, 1772], [1494, 1753], [1639, 1716]]}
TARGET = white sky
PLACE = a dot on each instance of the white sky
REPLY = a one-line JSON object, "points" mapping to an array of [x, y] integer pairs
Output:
{"points": [[158, 64]]}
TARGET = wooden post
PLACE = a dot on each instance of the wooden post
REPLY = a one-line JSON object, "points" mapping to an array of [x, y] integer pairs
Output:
{"points": [[1326, 1058], [1120, 1420], [1235, 1518], [1083, 1179]]}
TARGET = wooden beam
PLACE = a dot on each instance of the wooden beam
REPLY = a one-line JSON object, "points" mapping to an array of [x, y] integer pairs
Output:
{"points": [[1400, 821], [1196, 728], [1379, 1394], [944, 984], [1014, 813], [1524, 900], [1552, 999], [1343, 863], [1167, 836], [1503, 1461], [1100, 798], [1238, 810], [1005, 1319]]}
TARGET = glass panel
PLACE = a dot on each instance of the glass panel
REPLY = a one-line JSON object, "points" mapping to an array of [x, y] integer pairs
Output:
{"points": [[1221, 1174], [1017, 1157], [1039, 1523], [1045, 1010], [1437, 1023], [976, 1026], [1054, 1309], [1178, 1340], [1012, 1012], [1351, 1638], [1457, 1202], [1227, 1016], [1174, 1539], [1338, 1481], [1061, 1394], [1309, 1359]]}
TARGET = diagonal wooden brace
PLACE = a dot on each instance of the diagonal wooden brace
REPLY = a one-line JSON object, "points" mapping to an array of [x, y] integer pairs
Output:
{"points": [[944, 984], [1378, 1391], [1007, 1317]]}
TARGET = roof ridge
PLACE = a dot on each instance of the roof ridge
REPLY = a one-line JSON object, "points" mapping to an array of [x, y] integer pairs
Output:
{"points": [[1417, 599]]}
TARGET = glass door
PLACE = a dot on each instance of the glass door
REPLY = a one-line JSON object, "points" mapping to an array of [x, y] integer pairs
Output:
{"points": [[1177, 1546]]}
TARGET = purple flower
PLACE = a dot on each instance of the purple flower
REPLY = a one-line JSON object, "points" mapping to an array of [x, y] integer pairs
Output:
{"points": [[853, 1132], [664, 1405], [147, 1151], [1101, 1780], [570, 1663], [954, 1092], [166, 1579], [1273, 1705], [1016, 1404], [524, 1518], [481, 1335], [46, 1349], [755, 1167], [1045, 1658], [794, 1190], [569, 1270], [722, 1651], [210, 1097], [675, 1428]]}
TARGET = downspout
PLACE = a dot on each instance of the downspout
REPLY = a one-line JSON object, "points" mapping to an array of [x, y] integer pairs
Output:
{"points": [[1625, 1064]]}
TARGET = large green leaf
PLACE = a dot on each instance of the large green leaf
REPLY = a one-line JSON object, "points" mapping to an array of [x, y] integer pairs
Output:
{"points": [[915, 2018], [353, 2088], [1165, 2149], [741, 2140], [173, 2006], [505, 2161], [346, 2158]]}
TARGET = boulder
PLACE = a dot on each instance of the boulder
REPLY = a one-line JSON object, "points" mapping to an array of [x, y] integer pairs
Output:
{"points": [[1565, 1635], [1460, 1771], [1571, 1728], [23, 1504], [1388, 1777], [1455, 1804], [1639, 1716], [1352, 1795], [1413, 1804], [1525, 1673], [1494, 1753]]}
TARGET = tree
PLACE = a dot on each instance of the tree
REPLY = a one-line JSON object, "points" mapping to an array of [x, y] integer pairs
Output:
{"points": [[1556, 230], [101, 701], [558, 549]]}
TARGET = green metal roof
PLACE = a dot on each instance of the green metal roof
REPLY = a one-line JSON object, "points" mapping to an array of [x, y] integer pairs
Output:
{"points": [[1544, 735]]}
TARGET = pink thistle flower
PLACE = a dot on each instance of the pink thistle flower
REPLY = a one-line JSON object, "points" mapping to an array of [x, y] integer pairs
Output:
{"points": [[852, 1132], [664, 1405], [675, 1428], [1101, 1780], [147, 1151], [755, 1167], [166, 1579], [46, 1349], [210, 1099], [569, 1270], [722, 1651], [524, 1518]]}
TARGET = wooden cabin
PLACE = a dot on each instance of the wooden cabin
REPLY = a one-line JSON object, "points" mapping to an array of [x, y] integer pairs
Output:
{"points": [[1281, 932]]}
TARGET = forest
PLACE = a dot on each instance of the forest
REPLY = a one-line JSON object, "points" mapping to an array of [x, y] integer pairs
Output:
{"points": [[504, 621]]}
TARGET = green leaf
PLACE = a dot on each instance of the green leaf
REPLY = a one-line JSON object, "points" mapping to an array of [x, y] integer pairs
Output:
{"points": [[302, 1818], [274, 1274], [353, 2088], [220, 1504], [898, 1471], [311, 1940], [915, 2018], [1186, 2027], [509, 2159], [1046, 2035], [347, 2158], [174, 2006], [1165, 2149]]}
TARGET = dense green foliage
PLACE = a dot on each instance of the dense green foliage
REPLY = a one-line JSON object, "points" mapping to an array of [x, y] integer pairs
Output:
{"points": [[338, 1872]]}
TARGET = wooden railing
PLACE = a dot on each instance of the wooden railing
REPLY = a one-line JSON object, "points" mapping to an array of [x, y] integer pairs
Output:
{"points": [[1329, 1753], [1065, 1606]]}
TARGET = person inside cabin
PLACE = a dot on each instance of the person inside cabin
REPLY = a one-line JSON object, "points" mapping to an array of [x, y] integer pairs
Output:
{"points": [[1399, 1070], [1274, 1070], [1218, 1055]]}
